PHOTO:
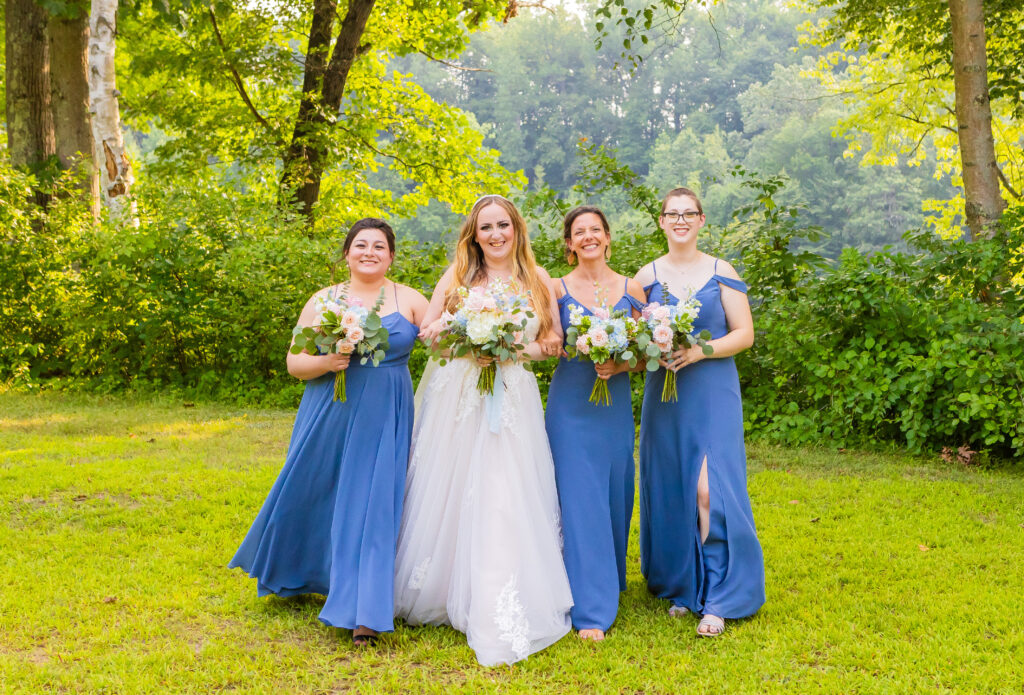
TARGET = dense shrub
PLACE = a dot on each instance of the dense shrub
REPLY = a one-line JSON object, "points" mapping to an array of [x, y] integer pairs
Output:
{"points": [[924, 348]]}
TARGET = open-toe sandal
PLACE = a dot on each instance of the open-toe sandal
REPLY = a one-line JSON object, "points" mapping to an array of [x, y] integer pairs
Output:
{"points": [[710, 626]]}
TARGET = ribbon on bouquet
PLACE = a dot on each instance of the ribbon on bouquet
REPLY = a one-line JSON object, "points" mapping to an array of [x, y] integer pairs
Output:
{"points": [[493, 401]]}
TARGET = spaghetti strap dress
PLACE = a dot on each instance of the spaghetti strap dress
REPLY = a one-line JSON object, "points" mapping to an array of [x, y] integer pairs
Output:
{"points": [[592, 446], [724, 575], [330, 523]]}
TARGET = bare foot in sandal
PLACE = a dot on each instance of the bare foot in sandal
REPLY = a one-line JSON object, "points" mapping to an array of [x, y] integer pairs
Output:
{"points": [[710, 626]]}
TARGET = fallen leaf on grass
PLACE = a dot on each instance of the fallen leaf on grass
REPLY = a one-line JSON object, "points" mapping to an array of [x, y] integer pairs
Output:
{"points": [[923, 548], [794, 501], [815, 519], [80, 498], [110, 599]]}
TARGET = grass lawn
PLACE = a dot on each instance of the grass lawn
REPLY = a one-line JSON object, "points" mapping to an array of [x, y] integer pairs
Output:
{"points": [[889, 574]]}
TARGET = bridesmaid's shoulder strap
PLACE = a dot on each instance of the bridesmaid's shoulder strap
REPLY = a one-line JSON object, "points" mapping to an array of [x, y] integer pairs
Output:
{"points": [[563, 285], [715, 271], [729, 282], [654, 267], [395, 284]]}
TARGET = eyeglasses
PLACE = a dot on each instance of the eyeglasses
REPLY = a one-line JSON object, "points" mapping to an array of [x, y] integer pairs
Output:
{"points": [[689, 215]]}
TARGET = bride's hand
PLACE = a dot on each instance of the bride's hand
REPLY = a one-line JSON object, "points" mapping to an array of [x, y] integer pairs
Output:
{"points": [[550, 344], [429, 333]]}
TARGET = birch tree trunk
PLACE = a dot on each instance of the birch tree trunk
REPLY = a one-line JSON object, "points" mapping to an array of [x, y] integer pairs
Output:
{"points": [[30, 132], [68, 40], [116, 177], [984, 203]]}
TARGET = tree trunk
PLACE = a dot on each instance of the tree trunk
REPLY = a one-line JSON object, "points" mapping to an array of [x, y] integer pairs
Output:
{"points": [[984, 203], [115, 170], [69, 95], [30, 132], [323, 86]]}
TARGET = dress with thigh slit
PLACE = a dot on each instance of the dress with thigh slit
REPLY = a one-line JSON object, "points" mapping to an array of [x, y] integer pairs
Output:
{"points": [[330, 523], [724, 575], [592, 446]]}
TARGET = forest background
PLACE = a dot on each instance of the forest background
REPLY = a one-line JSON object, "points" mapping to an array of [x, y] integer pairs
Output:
{"points": [[823, 139]]}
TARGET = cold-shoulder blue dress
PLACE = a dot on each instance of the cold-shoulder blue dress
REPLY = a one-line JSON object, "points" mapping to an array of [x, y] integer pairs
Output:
{"points": [[330, 523], [592, 447], [724, 575]]}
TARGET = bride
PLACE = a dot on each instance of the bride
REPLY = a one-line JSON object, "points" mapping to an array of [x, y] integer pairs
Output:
{"points": [[480, 542]]}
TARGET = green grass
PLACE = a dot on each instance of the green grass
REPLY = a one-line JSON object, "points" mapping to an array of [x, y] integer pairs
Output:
{"points": [[885, 574]]}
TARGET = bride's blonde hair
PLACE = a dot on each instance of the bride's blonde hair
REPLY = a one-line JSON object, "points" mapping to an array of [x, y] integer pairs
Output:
{"points": [[471, 268]]}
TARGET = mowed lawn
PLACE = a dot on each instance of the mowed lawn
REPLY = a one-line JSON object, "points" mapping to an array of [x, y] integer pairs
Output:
{"points": [[887, 574]]}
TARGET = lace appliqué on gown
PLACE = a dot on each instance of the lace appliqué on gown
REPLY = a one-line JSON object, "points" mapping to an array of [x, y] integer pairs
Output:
{"points": [[510, 617], [419, 574]]}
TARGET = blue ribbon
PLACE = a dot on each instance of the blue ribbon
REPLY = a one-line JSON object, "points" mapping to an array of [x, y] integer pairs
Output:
{"points": [[493, 401]]}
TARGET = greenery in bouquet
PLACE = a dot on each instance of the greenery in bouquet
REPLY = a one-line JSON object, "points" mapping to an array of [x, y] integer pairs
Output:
{"points": [[344, 326], [489, 322]]}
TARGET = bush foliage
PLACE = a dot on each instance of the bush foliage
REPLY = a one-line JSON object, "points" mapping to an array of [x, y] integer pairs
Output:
{"points": [[924, 348]]}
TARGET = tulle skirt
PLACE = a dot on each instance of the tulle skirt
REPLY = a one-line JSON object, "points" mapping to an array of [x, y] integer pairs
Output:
{"points": [[480, 541]]}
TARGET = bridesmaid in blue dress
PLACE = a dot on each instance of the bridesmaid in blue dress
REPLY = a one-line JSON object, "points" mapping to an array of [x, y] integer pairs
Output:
{"points": [[330, 523], [592, 445], [698, 544]]}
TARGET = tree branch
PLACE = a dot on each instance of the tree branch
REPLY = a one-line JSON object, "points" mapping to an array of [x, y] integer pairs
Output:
{"points": [[236, 78], [452, 65], [373, 148], [1006, 183]]}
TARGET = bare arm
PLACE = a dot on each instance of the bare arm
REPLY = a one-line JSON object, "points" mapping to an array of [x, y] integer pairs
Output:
{"points": [[430, 325], [547, 345]]}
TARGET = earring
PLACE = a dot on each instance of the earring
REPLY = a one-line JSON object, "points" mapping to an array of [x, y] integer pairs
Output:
{"points": [[608, 252], [570, 256]]}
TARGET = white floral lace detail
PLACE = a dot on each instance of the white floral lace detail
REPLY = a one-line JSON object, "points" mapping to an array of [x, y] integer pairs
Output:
{"points": [[510, 617], [419, 573]]}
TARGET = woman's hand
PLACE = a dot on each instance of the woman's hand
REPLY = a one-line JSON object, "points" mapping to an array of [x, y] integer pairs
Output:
{"points": [[430, 332], [609, 368], [336, 361], [682, 357], [550, 344]]}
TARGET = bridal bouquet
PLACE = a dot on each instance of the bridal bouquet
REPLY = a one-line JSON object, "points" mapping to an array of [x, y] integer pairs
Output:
{"points": [[669, 327], [489, 322], [601, 336], [344, 326]]}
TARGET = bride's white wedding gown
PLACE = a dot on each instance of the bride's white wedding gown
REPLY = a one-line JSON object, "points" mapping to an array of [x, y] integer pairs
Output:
{"points": [[480, 541]]}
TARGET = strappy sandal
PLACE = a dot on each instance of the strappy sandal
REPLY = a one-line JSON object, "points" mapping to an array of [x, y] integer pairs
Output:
{"points": [[712, 624], [364, 640], [678, 611]]}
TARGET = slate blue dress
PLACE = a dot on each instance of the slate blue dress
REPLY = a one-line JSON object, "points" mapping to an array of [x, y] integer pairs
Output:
{"points": [[724, 575], [330, 523], [592, 447]]}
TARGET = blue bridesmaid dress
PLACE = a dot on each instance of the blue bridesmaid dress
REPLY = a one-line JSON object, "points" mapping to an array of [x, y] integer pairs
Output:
{"points": [[330, 523], [592, 447], [724, 575]]}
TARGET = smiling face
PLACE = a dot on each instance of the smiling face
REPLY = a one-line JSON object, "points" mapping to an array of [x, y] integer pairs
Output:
{"points": [[495, 233], [588, 238], [369, 254], [673, 221]]}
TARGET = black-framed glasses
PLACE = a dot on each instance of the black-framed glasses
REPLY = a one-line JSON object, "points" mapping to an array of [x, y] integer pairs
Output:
{"points": [[689, 215]]}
